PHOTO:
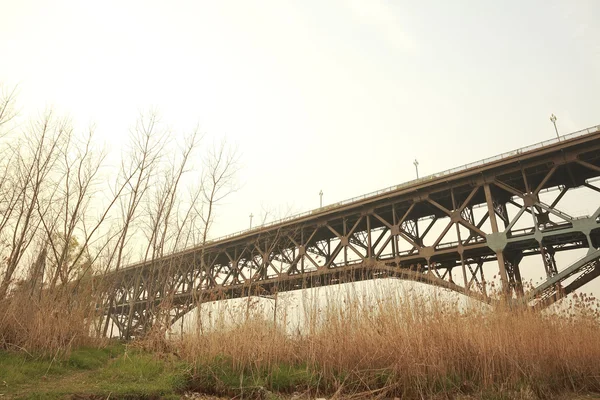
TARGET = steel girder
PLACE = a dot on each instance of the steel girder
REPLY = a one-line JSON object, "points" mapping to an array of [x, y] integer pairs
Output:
{"points": [[585, 269], [454, 232]]}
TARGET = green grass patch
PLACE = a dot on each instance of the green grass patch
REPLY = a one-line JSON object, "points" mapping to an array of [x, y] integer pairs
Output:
{"points": [[219, 376], [290, 378], [143, 374], [20, 368], [88, 358], [113, 371]]}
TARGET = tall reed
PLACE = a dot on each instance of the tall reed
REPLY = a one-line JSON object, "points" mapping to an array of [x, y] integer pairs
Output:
{"points": [[397, 345]]}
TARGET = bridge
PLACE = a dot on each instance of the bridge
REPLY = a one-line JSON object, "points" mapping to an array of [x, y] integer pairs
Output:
{"points": [[453, 229]]}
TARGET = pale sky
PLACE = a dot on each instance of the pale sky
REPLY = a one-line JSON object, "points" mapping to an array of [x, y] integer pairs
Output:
{"points": [[339, 96]]}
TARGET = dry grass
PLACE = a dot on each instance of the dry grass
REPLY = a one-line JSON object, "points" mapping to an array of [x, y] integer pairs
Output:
{"points": [[47, 323], [400, 346], [384, 344]]}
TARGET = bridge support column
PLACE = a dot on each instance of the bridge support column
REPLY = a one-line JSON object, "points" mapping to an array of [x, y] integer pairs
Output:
{"points": [[514, 273], [549, 260], [494, 223], [135, 292]]}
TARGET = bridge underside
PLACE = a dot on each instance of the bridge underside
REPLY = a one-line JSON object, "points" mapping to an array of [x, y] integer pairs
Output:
{"points": [[454, 231]]}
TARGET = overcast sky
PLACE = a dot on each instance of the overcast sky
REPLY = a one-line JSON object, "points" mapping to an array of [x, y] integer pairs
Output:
{"points": [[339, 96]]}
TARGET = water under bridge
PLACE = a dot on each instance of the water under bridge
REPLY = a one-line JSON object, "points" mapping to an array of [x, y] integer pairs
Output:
{"points": [[455, 229]]}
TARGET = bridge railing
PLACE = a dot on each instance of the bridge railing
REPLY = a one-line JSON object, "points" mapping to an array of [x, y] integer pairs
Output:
{"points": [[465, 167]]}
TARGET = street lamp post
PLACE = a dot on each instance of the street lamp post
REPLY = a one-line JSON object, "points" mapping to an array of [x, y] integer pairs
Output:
{"points": [[553, 119], [416, 164], [320, 199], [251, 215]]}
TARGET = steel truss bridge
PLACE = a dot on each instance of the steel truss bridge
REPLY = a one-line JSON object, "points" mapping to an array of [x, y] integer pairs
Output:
{"points": [[454, 230]]}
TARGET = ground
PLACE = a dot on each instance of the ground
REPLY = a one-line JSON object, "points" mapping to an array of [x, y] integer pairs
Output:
{"points": [[111, 372], [121, 372]]}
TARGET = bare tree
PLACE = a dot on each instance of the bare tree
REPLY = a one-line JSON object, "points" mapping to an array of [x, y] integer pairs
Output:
{"points": [[32, 164], [162, 231], [171, 223], [64, 217], [8, 110], [218, 181], [138, 168], [220, 168], [164, 204]]}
